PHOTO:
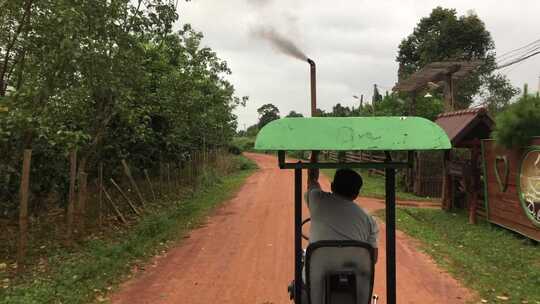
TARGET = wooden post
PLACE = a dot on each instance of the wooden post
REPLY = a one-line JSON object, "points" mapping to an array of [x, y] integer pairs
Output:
{"points": [[447, 183], [149, 183], [100, 197], [71, 199], [161, 191], [23, 208], [132, 181], [190, 170], [169, 178], [474, 184], [448, 93], [116, 210], [125, 197], [83, 180]]}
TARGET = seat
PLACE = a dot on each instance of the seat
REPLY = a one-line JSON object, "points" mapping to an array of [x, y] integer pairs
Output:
{"points": [[339, 272]]}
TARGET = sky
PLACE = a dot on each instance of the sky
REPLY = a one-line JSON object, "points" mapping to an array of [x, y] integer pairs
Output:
{"points": [[354, 44]]}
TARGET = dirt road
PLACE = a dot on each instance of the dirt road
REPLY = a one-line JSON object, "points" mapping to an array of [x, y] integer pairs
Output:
{"points": [[244, 254]]}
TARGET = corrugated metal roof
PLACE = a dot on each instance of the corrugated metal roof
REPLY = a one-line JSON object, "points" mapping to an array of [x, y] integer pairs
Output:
{"points": [[459, 124]]}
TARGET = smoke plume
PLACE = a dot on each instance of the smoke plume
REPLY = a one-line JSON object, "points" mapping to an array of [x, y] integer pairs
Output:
{"points": [[280, 42]]}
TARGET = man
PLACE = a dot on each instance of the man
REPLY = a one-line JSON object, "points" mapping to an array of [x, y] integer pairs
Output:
{"points": [[335, 215]]}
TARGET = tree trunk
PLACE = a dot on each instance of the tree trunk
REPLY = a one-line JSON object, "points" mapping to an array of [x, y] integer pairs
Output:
{"points": [[71, 201], [23, 208]]}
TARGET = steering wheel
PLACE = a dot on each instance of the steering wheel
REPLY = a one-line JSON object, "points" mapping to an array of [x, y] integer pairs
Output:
{"points": [[303, 223]]}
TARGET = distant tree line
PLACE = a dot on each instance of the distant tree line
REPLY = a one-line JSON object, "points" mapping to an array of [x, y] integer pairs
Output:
{"points": [[111, 79]]}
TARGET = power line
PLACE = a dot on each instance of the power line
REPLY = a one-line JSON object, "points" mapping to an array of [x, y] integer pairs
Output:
{"points": [[518, 60], [500, 57]]}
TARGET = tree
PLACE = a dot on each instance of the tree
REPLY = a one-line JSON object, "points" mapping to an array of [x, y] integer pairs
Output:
{"points": [[252, 130], [377, 97], [110, 79], [519, 122], [497, 93], [267, 113], [445, 36], [294, 114], [340, 111]]}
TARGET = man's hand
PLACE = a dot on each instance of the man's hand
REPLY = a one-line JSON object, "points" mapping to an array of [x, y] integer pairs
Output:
{"points": [[313, 174]]}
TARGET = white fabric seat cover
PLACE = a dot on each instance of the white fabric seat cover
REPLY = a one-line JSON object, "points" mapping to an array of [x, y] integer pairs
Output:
{"points": [[325, 260]]}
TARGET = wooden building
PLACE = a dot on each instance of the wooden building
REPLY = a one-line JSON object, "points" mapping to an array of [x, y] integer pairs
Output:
{"points": [[512, 188], [462, 174]]}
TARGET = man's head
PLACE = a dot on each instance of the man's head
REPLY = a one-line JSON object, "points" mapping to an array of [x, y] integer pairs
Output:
{"points": [[347, 183]]}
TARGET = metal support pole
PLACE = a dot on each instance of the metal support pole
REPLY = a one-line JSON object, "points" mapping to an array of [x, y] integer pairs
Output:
{"points": [[298, 284], [390, 181]]}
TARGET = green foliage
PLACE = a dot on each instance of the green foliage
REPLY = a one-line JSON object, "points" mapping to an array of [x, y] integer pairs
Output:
{"points": [[376, 97], [518, 123], [243, 143], [478, 254], [294, 114], [390, 105], [110, 79], [99, 264], [267, 113], [252, 131], [444, 36], [497, 93]]}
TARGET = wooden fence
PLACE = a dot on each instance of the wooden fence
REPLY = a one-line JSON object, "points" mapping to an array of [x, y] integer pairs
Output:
{"points": [[105, 198], [357, 156]]}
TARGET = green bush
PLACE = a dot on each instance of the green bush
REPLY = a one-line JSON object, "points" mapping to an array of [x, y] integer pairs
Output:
{"points": [[518, 123], [243, 144], [243, 163]]}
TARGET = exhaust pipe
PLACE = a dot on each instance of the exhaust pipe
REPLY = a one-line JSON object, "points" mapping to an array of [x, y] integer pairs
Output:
{"points": [[313, 87]]}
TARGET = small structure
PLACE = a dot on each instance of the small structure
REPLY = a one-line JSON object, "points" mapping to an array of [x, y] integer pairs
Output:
{"points": [[465, 129], [512, 187], [445, 72]]}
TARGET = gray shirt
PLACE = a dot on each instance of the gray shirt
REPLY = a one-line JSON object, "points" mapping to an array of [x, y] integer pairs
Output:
{"points": [[336, 218]]}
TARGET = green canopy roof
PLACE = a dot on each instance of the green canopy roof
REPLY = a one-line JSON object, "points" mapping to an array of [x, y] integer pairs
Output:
{"points": [[352, 133]]}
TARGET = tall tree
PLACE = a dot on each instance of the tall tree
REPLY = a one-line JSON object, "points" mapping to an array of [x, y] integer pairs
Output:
{"points": [[376, 97], [267, 113], [444, 35]]}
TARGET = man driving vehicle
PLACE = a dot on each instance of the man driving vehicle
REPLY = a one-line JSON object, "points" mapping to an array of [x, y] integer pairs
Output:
{"points": [[335, 215]]}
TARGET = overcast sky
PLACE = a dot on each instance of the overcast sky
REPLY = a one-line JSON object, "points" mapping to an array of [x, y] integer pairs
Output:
{"points": [[353, 42]]}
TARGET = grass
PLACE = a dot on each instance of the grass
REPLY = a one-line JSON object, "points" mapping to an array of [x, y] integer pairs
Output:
{"points": [[98, 265], [485, 258], [374, 187]]}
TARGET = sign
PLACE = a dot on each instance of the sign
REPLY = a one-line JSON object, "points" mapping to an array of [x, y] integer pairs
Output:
{"points": [[529, 185]]}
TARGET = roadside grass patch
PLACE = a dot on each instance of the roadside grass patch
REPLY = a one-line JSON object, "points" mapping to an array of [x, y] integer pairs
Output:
{"points": [[486, 258], [374, 186], [88, 273]]}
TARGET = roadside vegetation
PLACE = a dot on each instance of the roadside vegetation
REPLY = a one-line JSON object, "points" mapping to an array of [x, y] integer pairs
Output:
{"points": [[500, 266], [107, 110], [90, 271]]}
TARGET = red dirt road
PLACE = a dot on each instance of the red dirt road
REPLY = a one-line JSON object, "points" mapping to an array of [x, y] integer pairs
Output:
{"points": [[244, 254]]}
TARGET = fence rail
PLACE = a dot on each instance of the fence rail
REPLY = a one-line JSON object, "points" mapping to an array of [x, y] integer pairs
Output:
{"points": [[359, 156]]}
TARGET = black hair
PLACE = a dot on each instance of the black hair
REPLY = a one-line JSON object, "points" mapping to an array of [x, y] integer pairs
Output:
{"points": [[347, 183]]}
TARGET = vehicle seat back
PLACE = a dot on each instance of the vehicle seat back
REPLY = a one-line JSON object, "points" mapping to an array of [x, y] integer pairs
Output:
{"points": [[350, 258]]}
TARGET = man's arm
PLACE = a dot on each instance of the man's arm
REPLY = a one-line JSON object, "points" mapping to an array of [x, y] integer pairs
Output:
{"points": [[313, 174]]}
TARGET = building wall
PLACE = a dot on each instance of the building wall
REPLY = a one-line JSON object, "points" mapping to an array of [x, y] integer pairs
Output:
{"points": [[504, 206]]}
